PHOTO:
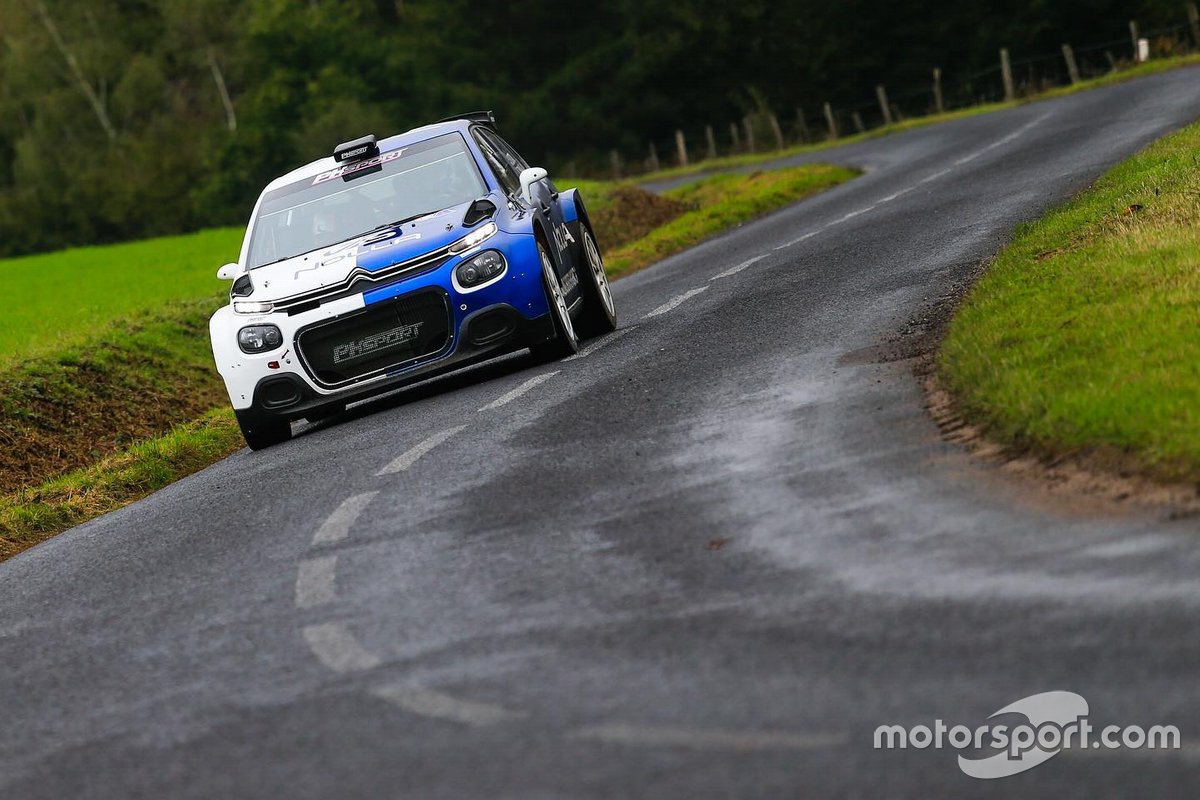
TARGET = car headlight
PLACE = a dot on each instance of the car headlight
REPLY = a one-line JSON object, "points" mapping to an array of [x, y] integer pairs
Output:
{"points": [[474, 238], [480, 269], [259, 338], [247, 307]]}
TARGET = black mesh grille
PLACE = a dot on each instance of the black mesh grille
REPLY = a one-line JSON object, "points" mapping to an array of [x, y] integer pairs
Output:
{"points": [[386, 336]]}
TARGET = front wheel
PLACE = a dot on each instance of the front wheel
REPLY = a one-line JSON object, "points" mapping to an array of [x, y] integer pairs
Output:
{"points": [[599, 313], [262, 430], [566, 341]]}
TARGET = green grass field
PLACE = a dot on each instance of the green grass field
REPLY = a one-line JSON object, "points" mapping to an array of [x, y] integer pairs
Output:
{"points": [[1084, 336], [59, 299]]}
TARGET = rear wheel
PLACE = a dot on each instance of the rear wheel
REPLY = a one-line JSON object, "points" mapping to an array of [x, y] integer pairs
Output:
{"points": [[566, 341], [262, 430], [599, 313]]}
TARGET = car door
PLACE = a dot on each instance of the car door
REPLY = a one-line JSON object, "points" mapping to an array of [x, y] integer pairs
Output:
{"points": [[545, 202]]}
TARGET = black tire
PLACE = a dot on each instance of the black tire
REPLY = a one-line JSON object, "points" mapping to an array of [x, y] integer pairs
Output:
{"points": [[262, 430], [599, 315], [566, 340]]}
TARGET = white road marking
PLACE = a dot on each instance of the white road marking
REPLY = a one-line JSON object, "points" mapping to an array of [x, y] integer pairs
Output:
{"points": [[805, 237], [594, 346], [410, 457], [508, 397], [931, 178], [315, 582], [1003, 141], [854, 214], [432, 703], [892, 197], [337, 648], [337, 526], [675, 302], [735, 270], [927, 179], [706, 738]]}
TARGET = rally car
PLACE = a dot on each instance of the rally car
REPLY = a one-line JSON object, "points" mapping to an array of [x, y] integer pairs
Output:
{"points": [[392, 261]]}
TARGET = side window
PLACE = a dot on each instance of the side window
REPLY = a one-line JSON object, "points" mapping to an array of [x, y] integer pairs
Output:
{"points": [[510, 155], [509, 178]]}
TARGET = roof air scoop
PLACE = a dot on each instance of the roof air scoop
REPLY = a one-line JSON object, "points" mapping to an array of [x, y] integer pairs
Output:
{"points": [[366, 147]]}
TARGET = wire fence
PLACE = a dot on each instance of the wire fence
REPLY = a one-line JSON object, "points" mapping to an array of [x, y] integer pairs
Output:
{"points": [[765, 130]]}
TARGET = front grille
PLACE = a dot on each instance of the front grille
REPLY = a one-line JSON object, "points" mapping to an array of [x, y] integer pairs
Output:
{"points": [[384, 337], [361, 280]]}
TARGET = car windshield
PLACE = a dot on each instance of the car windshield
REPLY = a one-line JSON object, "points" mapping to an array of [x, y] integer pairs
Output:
{"points": [[355, 198]]}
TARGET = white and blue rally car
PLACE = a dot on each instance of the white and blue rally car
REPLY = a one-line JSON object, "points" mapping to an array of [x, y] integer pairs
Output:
{"points": [[395, 260]]}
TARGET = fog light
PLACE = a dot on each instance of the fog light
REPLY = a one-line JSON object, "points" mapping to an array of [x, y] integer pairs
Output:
{"points": [[259, 338], [480, 269]]}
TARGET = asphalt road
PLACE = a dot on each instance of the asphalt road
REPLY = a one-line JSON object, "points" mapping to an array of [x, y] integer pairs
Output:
{"points": [[707, 559]]}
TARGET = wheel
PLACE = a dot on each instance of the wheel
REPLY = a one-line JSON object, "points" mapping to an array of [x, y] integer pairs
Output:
{"points": [[599, 314], [566, 341], [262, 430]]}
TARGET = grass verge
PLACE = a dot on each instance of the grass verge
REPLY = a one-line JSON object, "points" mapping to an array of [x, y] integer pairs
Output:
{"points": [[32, 515], [721, 202], [750, 159], [133, 400], [1082, 339]]}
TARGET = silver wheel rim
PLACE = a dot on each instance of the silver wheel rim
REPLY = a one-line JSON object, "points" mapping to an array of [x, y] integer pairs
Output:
{"points": [[556, 294], [597, 266]]}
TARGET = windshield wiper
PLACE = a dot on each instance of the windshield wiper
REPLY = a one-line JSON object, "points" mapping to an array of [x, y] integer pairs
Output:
{"points": [[388, 225]]}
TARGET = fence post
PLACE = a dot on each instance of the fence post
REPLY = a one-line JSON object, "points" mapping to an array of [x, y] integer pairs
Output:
{"points": [[652, 161], [614, 161], [734, 136], [881, 93], [681, 148], [858, 123], [749, 126], [937, 91], [1194, 21], [801, 125], [1133, 34], [831, 121], [1010, 92], [1072, 67], [776, 130], [710, 139]]}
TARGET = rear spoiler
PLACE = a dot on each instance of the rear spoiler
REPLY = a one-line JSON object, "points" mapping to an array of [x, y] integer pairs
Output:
{"points": [[478, 117]]}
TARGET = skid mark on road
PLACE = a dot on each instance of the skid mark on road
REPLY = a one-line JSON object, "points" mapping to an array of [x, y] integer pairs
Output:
{"points": [[508, 397], [337, 525], [410, 457], [439, 705], [675, 302]]}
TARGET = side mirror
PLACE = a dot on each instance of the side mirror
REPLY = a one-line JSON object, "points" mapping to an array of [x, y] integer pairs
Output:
{"points": [[227, 272], [528, 178]]}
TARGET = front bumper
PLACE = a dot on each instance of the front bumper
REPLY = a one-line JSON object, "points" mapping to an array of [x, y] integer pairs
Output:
{"points": [[506, 314]]}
